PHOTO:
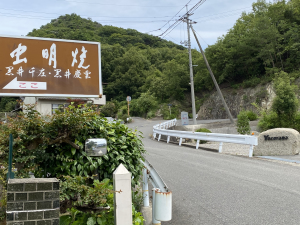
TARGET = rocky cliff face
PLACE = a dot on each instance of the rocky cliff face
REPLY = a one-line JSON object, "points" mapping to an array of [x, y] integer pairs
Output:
{"points": [[236, 99]]}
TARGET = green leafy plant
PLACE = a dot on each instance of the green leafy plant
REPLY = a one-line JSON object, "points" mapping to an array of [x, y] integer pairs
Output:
{"points": [[251, 115], [204, 130], [109, 109], [3, 192], [283, 112], [243, 126], [55, 144]]}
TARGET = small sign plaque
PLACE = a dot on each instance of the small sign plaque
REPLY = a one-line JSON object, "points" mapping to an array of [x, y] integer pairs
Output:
{"points": [[184, 118]]}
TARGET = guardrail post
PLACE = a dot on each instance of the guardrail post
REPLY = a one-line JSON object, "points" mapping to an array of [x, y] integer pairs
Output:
{"points": [[154, 135], [168, 140], [180, 142], [154, 221], [122, 196], [197, 145], [220, 147], [145, 188], [251, 151], [159, 136]]}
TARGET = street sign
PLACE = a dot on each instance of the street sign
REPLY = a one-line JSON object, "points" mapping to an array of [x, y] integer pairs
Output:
{"points": [[49, 67], [128, 99], [184, 118]]}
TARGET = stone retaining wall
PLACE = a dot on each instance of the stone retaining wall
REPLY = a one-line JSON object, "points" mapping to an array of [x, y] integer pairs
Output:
{"points": [[33, 201]]}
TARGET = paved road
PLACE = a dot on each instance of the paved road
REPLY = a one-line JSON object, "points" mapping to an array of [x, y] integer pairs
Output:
{"points": [[210, 188]]}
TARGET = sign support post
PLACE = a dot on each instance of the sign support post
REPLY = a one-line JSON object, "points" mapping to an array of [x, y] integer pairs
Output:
{"points": [[128, 100]]}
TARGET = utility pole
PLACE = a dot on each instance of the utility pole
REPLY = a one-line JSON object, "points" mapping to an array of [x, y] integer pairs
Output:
{"points": [[188, 22], [213, 78]]}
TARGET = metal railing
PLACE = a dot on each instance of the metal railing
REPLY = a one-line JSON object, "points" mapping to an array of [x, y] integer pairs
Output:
{"points": [[161, 195], [160, 129]]}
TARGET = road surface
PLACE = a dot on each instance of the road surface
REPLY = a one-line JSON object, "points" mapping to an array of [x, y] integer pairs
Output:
{"points": [[211, 188]]}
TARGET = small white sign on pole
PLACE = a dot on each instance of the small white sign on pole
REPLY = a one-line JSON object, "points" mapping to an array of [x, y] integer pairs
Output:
{"points": [[184, 118]]}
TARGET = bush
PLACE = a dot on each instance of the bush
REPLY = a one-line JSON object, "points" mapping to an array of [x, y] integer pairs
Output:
{"points": [[251, 115], [243, 126], [146, 102], [150, 114], [268, 121], [57, 146], [204, 130], [109, 110], [166, 111], [252, 82]]}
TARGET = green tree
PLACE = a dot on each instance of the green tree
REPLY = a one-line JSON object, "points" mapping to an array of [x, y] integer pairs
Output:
{"points": [[145, 103], [285, 105]]}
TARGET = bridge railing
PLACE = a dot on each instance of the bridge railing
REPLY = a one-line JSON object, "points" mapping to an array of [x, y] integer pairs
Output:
{"points": [[160, 129]]}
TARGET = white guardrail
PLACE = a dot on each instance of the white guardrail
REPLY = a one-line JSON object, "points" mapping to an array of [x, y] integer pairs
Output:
{"points": [[160, 129], [161, 195]]}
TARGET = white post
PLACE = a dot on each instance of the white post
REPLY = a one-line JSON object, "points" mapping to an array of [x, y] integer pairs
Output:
{"points": [[154, 221], [159, 137], [197, 145], [168, 140], [180, 141], [251, 151], [145, 188], [154, 135], [220, 147], [122, 196]]}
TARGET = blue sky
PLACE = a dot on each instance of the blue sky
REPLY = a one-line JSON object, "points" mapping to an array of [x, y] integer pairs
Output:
{"points": [[214, 17]]}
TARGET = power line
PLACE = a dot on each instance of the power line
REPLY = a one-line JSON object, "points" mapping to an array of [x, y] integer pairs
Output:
{"points": [[97, 3], [94, 16], [172, 27], [102, 21], [175, 15], [222, 13]]}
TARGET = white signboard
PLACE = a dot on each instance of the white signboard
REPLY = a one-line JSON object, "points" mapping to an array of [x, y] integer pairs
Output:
{"points": [[184, 118]]}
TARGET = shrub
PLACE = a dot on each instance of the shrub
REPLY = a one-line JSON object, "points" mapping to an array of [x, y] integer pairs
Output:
{"points": [[204, 130], [56, 144], [165, 110], [109, 110], [146, 102], [251, 115], [252, 82], [243, 126], [150, 114]]}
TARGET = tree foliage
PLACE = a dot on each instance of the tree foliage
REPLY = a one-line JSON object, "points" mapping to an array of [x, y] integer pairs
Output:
{"points": [[285, 105], [260, 43], [132, 62], [55, 145]]}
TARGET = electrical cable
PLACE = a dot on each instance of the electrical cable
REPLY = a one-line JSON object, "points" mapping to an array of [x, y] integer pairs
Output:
{"points": [[97, 3], [81, 15], [172, 27]]}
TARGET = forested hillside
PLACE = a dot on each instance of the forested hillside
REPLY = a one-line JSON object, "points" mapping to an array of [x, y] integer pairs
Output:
{"points": [[260, 44], [132, 62]]}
